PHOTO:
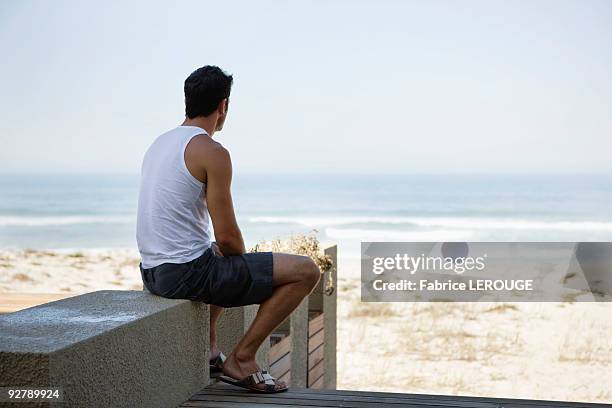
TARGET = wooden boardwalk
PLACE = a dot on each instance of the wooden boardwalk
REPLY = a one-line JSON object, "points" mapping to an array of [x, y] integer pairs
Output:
{"points": [[225, 396]]}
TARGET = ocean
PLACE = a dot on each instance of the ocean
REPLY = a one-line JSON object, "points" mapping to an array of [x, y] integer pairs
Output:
{"points": [[98, 211]]}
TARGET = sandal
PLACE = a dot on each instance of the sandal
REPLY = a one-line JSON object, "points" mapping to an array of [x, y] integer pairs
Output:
{"points": [[216, 364], [250, 382]]}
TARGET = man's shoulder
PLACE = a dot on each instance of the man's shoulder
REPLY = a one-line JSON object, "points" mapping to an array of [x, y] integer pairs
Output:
{"points": [[205, 146], [204, 154]]}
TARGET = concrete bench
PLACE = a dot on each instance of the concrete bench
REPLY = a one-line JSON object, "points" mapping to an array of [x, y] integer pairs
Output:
{"points": [[108, 348]]}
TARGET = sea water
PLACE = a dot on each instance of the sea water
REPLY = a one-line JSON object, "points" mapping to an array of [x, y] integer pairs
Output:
{"points": [[99, 211]]}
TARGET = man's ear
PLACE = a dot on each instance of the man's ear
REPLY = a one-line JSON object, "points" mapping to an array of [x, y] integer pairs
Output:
{"points": [[222, 108]]}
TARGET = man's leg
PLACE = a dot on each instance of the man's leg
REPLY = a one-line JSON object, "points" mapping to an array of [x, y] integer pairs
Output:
{"points": [[215, 313], [293, 278]]}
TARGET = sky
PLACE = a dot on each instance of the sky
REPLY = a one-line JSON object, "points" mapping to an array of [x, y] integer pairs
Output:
{"points": [[319, 86]]}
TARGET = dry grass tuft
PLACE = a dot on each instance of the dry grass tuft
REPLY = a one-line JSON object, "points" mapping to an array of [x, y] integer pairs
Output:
{"points": [[502, 308], [592, 349], [307, 245], [22, 277], [567, 277], [377, 310]]}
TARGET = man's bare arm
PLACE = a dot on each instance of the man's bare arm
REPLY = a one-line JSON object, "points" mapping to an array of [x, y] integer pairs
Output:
{"points": [[220, 204]]}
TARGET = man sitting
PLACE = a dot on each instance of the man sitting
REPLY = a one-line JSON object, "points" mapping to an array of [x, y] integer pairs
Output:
{"points": [[185, 185]]}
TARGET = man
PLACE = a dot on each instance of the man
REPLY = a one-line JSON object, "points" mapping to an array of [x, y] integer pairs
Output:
{"points": [[185, 185]]}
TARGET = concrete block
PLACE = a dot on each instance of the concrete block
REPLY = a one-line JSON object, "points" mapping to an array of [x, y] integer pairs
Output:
{"points": [[299, 345], [109, 349]]}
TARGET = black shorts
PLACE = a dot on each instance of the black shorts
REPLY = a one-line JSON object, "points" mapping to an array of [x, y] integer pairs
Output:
{"points": [[229, 281]]}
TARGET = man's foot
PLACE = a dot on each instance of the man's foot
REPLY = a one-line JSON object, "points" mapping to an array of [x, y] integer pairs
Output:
{"points": [[216, 364], [214, 353], [239, 369]]}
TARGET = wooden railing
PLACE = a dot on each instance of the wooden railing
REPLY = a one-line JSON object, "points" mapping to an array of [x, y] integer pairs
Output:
{"points": [[316, 352], [303, 350]]}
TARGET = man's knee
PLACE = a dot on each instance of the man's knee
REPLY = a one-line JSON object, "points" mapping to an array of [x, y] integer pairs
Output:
{"points": [[310, 272]]}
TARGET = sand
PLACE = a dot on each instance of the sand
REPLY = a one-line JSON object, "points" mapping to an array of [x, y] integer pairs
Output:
{"points": [[558, 351], [555, 351], [68, 271]]}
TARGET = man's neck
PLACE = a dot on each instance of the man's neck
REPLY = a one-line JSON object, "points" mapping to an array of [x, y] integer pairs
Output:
{"points": [[209, 124]]}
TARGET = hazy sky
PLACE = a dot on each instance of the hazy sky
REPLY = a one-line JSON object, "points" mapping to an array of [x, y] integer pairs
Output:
{"points": [[320, 86]]}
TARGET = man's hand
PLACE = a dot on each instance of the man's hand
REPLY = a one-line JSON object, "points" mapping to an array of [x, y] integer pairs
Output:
{"points": [[216, 249]]}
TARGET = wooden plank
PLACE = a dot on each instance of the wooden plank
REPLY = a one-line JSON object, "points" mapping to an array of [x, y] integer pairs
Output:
{"points": [[313, 381], [315, 357], [317, 384], [315, 373], [547, 404], [315, 341], [12, 302], [245, 404], [315, 324], [278, 350], [286, 377], [281, 402], [290, 399], [287, 399], [281, 366], [303, 396]]}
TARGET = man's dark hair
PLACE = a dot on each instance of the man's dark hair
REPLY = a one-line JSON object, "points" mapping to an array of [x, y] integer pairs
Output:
{"points": [[204, 89]]}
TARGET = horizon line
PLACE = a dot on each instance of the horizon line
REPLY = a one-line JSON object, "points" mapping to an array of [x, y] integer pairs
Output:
{"points": [[317, 173]]}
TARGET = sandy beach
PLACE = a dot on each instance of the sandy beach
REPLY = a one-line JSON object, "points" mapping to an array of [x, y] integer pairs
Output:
{"points": [[518, 350], [69, 271]]}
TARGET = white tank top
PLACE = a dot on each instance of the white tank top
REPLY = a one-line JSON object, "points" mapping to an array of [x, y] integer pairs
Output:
{"points": [[173, 223]]}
